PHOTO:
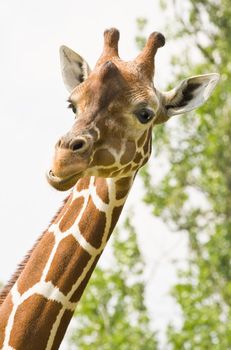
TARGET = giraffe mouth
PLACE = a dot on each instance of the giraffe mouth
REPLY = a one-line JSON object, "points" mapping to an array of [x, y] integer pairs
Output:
{"points": [[62, 184]]}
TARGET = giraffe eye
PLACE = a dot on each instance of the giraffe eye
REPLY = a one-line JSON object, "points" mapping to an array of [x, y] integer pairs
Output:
{"points": [[71, 106], [144, 115]]}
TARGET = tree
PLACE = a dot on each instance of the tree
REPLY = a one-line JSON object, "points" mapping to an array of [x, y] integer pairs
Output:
{"points": [[194, 196], [112, 313]]}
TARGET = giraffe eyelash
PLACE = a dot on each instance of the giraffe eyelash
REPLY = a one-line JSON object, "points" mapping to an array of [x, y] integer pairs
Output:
{"points": [[72, 106]]}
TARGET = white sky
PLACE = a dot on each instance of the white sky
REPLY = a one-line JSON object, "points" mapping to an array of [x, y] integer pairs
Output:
{"points": [[33, 115]]}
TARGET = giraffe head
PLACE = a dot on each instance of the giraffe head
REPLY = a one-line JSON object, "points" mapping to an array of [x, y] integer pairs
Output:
{"points": [[116, 106]]}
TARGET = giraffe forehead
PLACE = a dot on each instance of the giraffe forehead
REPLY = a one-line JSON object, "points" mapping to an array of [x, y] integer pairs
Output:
{"points": [[97, 92], [123, 86]]}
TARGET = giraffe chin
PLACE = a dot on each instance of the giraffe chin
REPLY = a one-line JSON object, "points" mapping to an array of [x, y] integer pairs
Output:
{"points": [[62, 184]]}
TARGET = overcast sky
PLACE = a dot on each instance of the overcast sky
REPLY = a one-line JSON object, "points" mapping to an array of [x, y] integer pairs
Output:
{"points": [[33, 114]]}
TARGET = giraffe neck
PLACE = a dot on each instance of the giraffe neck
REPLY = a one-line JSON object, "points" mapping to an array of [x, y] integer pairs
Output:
{"points": [[39, 307]]}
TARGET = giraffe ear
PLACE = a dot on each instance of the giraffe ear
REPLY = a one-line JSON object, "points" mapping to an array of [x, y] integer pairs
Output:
{"points": [[189, 94], [73, 67]]}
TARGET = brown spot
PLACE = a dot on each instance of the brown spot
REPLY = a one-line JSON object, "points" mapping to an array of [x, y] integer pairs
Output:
{"points": [[33, 322], [68, 264], [138, 158], [148, 141], [83, 184], [92, 224], [102, 189], [127, 169], [146, 147], [62, 329], [124, 182], [33, 270], [79, 291], [115, 216], [145, 161], [71, 214], [129, 153], [142, 139], [6, 309], [103, 157], [121, 194], [150, 146], [63, 209], [122, 187]]}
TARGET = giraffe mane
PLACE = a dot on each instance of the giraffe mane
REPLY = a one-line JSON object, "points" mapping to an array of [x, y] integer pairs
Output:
{"points": [[6, 289]]}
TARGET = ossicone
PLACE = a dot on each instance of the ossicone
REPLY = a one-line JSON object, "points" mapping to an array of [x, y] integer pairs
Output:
{"points": [[111, 39], [146, 58]]}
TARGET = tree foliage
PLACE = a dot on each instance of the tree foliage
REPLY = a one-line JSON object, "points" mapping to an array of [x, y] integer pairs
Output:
{"points": [[194, 196], [112, 313]]}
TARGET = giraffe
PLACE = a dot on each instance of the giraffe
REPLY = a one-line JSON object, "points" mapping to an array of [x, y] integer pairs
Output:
{"points": [[116, 107]]}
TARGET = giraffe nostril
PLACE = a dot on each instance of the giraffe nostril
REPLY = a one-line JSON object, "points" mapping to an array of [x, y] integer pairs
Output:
{"points": [[79, 145]]}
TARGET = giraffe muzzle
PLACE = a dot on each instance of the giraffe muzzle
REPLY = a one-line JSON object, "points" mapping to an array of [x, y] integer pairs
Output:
{"points": [[71, 159], [62, 184]]}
